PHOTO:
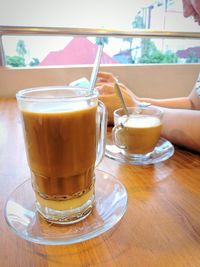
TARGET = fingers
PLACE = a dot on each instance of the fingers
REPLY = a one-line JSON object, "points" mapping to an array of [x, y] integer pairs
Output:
{"points": [[105, 77], [105, 89], [108, 88], [110, 99]]}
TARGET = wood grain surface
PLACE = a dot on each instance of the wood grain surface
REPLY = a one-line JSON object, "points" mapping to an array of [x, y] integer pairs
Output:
{"points": [[161, 226]]}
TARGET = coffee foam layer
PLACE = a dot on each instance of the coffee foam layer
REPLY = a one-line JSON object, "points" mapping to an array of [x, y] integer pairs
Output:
{"points": [[139, 121], [55, 107]]}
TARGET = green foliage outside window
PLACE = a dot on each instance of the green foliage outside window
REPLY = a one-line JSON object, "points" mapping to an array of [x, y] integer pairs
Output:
{"points": [[192, 58], [15, 61], [19, 59], [150, 54], [101, 40], [34, 62]]}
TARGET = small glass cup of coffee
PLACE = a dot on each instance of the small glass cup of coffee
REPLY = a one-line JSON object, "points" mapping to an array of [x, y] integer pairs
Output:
{"points": [[64, 130], [137, 133]]}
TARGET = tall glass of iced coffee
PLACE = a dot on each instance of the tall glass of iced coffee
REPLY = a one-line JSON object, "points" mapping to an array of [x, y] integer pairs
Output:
{"points": [[64, 131]]}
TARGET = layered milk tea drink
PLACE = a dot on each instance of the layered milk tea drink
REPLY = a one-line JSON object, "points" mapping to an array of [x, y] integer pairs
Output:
{"points": [[137, 134], [61, 142]]}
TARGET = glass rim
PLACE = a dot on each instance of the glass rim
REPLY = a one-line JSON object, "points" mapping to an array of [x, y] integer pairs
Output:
{"points": [[25, 94], [158, 110]]}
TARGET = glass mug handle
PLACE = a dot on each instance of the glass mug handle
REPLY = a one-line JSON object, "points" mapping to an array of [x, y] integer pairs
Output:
{"points": [[101, 131], [115, 131]]}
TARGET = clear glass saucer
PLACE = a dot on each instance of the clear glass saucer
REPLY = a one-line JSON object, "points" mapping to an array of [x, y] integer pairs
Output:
{"points": [[163, 151], [24, 220]]}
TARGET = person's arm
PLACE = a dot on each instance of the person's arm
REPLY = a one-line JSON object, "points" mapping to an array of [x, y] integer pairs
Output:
{"points": [[195, 95], [179, 102], [181, 119], [182, 127], [189, 102]]}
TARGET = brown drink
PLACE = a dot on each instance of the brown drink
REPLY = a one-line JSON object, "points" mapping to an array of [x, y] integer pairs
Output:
{"points": [[61, 149], [140, 133], [62, 132]]}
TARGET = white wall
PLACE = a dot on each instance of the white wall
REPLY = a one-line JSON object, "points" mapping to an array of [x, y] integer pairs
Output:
{"points": [[69, 13], [145, 80]]}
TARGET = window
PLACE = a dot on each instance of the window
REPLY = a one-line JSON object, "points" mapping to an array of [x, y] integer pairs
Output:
{"points": [[25, 51]]}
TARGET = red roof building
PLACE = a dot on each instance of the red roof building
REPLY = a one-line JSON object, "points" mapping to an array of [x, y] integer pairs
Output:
{"points": [[79, 51]]}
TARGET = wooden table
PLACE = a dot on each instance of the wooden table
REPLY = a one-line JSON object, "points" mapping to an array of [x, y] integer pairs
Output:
{"points": [[161, 226]]}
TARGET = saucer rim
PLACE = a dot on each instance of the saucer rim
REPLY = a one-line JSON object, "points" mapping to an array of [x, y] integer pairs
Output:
{"points": [[124, 159], [68, 241]]}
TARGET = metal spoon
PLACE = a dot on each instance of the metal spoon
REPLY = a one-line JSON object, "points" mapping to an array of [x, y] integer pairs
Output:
{"points": [[120, 96]]}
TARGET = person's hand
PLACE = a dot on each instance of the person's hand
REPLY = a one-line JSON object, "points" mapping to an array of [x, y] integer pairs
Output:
{"points": [[105, 87], [105, 77], [192, 8]]}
